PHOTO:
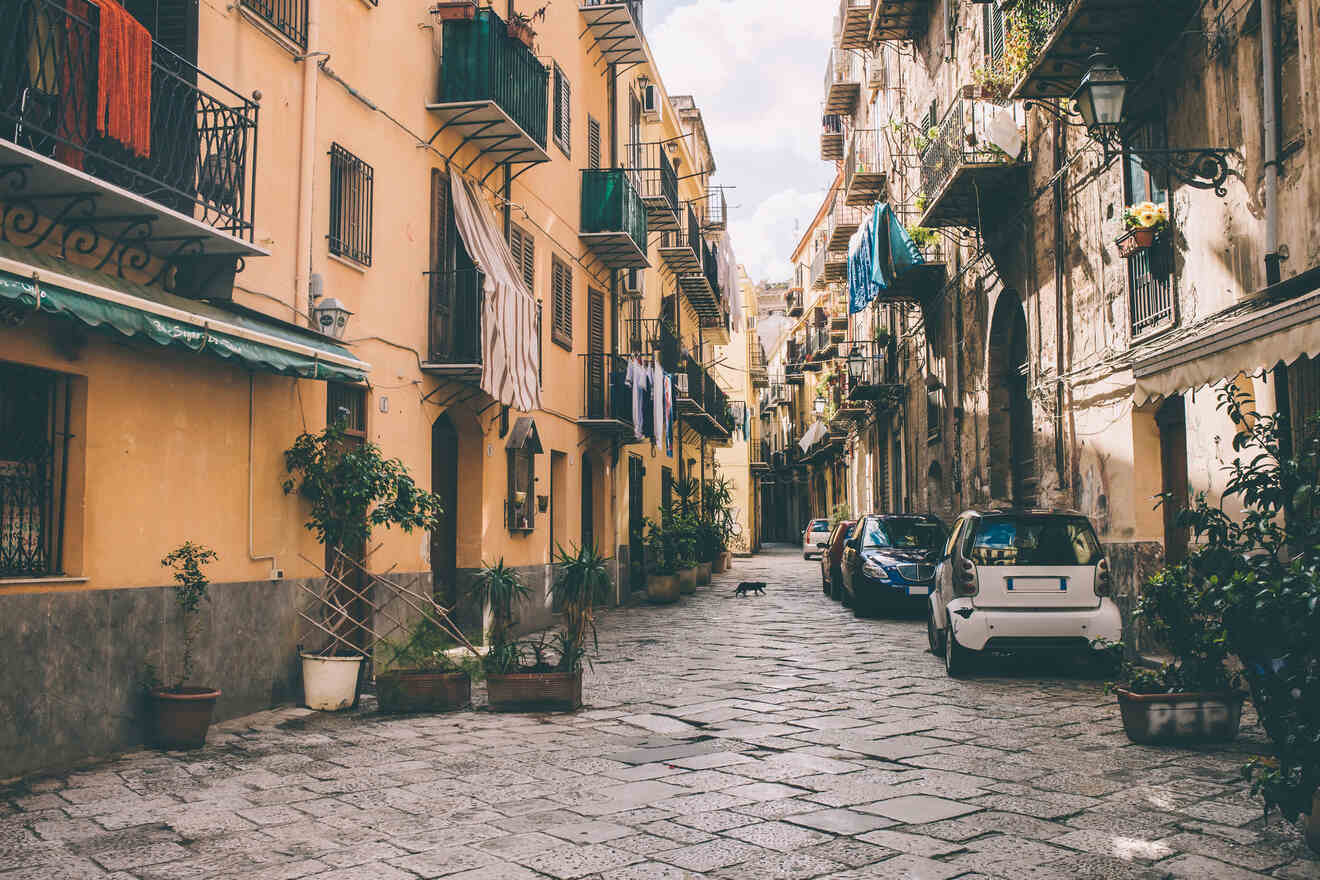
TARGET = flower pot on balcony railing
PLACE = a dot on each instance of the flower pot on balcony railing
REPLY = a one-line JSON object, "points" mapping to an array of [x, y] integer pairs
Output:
{"points": [[1146, 224], [463, 10], [521, 31]]}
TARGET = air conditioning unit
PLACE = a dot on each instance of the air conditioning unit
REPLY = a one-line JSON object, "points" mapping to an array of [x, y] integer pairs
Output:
{"points": [[651, 102], [876, 78], [634, 284]]}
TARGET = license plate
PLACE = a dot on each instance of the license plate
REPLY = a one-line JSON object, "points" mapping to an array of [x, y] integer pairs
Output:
{"points": [[1037, 584], [918, 591]]}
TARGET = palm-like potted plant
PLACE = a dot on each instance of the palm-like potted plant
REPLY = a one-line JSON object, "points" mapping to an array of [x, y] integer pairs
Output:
{"points": [[418, 674], [350, 488], [661, 576], [182, 712]]}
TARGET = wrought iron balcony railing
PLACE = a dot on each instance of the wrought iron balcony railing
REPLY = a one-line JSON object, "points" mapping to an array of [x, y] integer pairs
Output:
{"points": [[961, 164], [455, 318], [863, 170], [289, 17], [853, 24], [613, 218], [481, 63], [607, 395], [843, 81], [793, 303], [831, 137], [196, 155], [840, 224], [818, 268], [656, 182]]}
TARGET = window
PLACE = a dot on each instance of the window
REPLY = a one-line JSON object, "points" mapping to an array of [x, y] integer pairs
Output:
{"points": [[993, 28], [593, 142], [1303, 402], [351, 185], [934, 414], [902, 533], [346, 406], [561, 303], [1035, 540], [1292, 97], [34, 449], [562, 128], [289, 17], [1150, 272], [523, 247], [523, 446]]}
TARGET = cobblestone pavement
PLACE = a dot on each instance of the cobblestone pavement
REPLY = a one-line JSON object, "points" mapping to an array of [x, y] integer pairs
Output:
{"points": [[745, 739]]}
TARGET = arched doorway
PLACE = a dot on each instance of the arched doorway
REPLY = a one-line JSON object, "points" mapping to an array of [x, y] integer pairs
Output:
{"points": [[1012, 440], [444, 483]]}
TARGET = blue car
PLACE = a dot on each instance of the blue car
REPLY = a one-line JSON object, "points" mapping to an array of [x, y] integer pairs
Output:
{"points": [[889, 562]]}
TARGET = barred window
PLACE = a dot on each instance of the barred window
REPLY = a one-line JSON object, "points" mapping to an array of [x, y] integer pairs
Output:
{"points": [[561, 303], [563, 112], [34, 449], [352, 183]]}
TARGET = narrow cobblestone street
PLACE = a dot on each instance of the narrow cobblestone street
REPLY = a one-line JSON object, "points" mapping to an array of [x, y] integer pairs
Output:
{"points": [[747, 739]]}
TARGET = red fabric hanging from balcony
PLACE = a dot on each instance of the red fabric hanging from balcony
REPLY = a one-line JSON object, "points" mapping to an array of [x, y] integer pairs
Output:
{"points": [[123, 78], [75, 109]]}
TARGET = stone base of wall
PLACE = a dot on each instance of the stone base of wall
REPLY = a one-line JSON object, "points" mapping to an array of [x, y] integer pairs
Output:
{"points": [[74, 662], [1130, 563]]}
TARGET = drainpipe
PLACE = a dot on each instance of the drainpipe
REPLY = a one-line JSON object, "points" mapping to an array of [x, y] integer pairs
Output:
{"points": [[1271, 122], [306, 164], [275, 573]]}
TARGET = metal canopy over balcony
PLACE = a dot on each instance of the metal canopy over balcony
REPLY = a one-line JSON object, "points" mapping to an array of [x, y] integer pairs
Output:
{"points": [[843, 81], [962, 171], [853, 26], [613, 225], [831, 137], [616, 29], [917, 285], [818, 269], [607, 401], [714, 210], [899, 19], [680, 249], [657, 183], [183, 193], [492, 91], [836, 266], [1065, 34], [863, 174], [841, 223]]}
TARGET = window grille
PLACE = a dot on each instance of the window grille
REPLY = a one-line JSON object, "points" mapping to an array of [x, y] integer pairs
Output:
{"points": [[289, 17], [994, 33], [351, 191], [34, 449], [561, 305], [563, 111], [1150, 272], [346, 406]]}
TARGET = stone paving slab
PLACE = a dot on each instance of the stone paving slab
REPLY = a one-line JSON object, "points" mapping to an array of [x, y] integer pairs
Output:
{"points": [[770, 737]]}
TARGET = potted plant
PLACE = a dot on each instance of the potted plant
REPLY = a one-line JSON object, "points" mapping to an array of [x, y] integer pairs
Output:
{"points": [[455, 10], [519, 25], [1144, 224], [661, 578], [183, 713], [683, 528], [719, 505], [1193, 698], [350, 488], [419, 675], [1262, 568]]}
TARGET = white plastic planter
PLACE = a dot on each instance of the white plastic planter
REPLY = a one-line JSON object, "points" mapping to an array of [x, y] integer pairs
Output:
{"points": [[329, 683]]}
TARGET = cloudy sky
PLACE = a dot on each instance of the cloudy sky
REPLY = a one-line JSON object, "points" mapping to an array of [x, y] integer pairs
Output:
{"points": [[756, 69]]}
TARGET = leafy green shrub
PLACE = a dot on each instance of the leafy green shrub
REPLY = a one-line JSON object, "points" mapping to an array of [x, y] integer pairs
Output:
{"points": [[187, 561]]}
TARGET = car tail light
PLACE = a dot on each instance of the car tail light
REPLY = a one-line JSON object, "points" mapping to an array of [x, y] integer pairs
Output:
{"points": [[964, 579], [1104, 583]]}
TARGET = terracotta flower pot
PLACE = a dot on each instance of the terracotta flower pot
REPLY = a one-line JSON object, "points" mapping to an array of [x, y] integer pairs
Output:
{"points": [[662, 588], [183, 716], [535, 691], [520, 32], [414, 690], [718, 566], [1134, 241], [687, 580], [456, 11], [1189, 717], [703, 573]]}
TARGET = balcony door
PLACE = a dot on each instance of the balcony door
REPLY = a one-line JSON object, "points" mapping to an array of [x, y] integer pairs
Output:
{"points": [[455, 288], [1172, 422], [597, 393]]}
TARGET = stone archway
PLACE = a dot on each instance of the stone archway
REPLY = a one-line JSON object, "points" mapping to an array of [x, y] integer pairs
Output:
{"points": [[1012, 435]]}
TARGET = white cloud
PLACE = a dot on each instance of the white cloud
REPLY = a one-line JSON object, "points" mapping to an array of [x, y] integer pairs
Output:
{"points": [[763, 240]]}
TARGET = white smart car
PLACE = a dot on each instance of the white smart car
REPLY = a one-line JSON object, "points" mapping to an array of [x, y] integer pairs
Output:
{"points": [[1016, 580], [816, 533]]}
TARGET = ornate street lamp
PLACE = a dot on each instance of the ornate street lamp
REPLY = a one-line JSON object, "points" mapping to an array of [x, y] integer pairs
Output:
{"points": [[330, 317], [856, 366], [819, 406], [1100, 99]]}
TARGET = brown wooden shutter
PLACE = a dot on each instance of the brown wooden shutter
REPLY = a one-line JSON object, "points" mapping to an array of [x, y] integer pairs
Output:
{"points": [[529, 262], [561, 322], [595, 322], [563, 111], [593, 142], [442, 282]]}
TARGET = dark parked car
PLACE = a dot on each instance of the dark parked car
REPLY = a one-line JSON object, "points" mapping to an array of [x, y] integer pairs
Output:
{"points": [[889, 562], [831, 577]]}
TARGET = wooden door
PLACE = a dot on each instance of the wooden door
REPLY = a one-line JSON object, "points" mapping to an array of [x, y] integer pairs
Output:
{"points": [[637, 570], [597, 374], [588, 504], [1172, 422], [444, 483]]}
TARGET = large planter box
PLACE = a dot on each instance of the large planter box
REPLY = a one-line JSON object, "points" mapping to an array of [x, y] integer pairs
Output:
{"points": [[411, 690], [1180, 718], [687, 581], [535, 691], [703, 573], [662, 588]]}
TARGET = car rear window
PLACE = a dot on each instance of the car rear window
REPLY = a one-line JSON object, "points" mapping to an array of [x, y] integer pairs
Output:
{"points": [[819, 525], [1035, 540], [912, 534]]}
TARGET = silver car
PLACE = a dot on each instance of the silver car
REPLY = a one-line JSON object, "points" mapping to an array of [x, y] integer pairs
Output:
{"points": [[816, 533]]}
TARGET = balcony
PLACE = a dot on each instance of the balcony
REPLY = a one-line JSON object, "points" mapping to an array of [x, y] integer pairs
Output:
{"points": [[836, 266], [821, 346], [715, 330], [899, 20], [680, 249], [817, 274], [843, 81], [853, 26], [607, 397], [757, 370], [180, 188], [793, 301], [613, 223], [963, 171], [840, 224], [702, 289], [701, 403], [1062, 36], [454, 339], [879, 379], [863, 174], [831, 137], [492, 91], [657, 182], [758, 452], [616, 29], [714, 210]]}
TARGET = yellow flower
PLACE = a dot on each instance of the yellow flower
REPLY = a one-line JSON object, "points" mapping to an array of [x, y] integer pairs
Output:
{"points": [[1164, 211], [1148, 218]]}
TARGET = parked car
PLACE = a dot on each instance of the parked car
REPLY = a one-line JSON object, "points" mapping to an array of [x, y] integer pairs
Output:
{"points": [[816, 533], [889, 562], [1016, 580], [831, 558]]}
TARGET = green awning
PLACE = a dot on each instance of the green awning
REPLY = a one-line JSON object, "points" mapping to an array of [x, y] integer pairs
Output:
{"points": [[110, 304]]}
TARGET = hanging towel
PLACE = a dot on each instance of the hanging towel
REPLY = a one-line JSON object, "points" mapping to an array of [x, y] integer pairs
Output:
{"points": [[658, 400], [894, 251], [74, 83], [669, 414], [861, 289], [123, 79]]}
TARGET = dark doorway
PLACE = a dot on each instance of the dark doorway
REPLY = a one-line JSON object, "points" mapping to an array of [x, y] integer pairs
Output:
{"points": [[1012, 441], [444, 483], [636, 564], [1172, 421], [588, 504]]}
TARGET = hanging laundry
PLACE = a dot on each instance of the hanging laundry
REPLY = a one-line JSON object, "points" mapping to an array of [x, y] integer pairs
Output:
{"points": [[895, 251], [123, 80], [638, 378], [74, 85], [658, 401], [669, 414]]}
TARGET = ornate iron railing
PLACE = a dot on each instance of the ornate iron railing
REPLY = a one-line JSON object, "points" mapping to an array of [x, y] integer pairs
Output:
{"points": [[200, 157], [455, 327], [289, 17], [1150, 287], [481, 62], [34, 448], [653, 173], [961, 138], [608, 395], [610, 203]]}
